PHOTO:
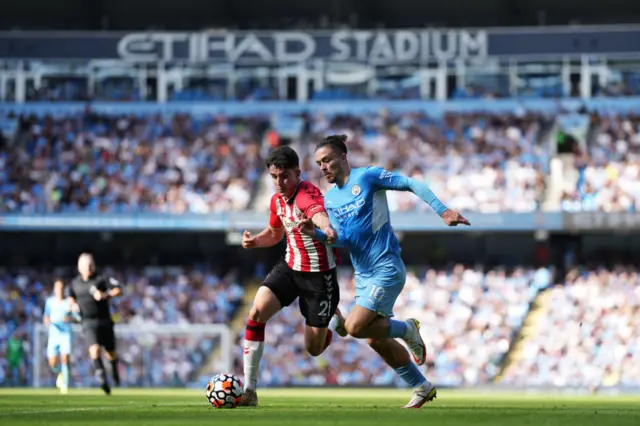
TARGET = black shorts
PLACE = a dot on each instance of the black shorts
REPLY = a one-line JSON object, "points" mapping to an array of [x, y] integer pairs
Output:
{"points": [[319, 292], [96, 332]]}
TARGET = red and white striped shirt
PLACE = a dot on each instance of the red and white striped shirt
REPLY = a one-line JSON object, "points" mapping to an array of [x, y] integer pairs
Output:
{"points": [[303, 252]]}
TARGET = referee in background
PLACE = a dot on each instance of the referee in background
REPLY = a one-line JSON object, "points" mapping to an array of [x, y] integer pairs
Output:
{"points": [[91, 293]]}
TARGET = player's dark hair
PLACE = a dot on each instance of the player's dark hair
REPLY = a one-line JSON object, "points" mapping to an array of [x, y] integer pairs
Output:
{"points": [[283, 157], [336, 142]]}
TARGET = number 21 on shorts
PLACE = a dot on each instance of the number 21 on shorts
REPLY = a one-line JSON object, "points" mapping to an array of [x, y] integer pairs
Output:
{"points": [[325, 306]]}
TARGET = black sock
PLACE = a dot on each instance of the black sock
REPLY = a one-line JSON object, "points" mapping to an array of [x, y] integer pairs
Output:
{"points": [[114, 370], [101, 374]]}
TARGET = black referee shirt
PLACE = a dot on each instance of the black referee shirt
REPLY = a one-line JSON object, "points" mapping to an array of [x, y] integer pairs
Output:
{"points": [[82, 292]]}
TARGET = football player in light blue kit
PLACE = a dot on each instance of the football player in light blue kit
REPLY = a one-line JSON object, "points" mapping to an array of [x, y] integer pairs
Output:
{"points": [[358, 210], [58, 316]]}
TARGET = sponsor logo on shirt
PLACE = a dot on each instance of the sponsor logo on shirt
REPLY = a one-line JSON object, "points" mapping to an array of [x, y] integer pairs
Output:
{"points": [[348, 210]]}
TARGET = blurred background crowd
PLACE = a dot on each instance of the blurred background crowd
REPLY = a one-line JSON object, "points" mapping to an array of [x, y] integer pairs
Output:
{"points": [[486, 163]]}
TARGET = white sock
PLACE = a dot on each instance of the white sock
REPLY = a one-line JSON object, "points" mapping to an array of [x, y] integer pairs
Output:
{"points": [[426, 385], [333, 323], [252, 355]]}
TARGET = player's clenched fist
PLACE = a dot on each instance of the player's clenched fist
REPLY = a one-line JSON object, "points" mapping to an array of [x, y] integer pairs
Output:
{"points": [[248, 241]]}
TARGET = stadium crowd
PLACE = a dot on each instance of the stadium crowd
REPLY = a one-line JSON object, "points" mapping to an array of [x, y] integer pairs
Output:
{"points": [[169, 295], [178, 164], [609, 175], [128, 164], [476, 162], [486, 163], [588, 335], [470, 317]]}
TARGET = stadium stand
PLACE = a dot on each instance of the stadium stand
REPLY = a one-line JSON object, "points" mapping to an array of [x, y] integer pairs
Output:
{"points": [[608, 175], [129, 164], [126, 164], [485, 163], [587, 333]]}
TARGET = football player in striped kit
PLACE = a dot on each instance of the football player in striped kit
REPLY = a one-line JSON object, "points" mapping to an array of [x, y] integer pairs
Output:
{"points": [[307, 271]]}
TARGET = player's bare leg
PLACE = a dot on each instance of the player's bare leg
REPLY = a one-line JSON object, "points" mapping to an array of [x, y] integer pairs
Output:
{"points": [[112, 356], [96, 357], [317, 340], [265, 306], [367, 324]]}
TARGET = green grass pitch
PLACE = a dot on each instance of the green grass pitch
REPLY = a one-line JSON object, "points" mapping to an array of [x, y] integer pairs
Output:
{"points": [[308, 407]]}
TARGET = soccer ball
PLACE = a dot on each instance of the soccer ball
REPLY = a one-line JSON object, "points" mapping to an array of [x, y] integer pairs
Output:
{"points": [[224, 391]]}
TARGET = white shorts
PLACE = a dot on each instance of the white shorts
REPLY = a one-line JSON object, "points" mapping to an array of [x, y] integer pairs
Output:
{"points": [[59, 344]]}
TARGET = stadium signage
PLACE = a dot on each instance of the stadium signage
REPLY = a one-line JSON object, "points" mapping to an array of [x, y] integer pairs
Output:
{"points": [[375, 47], [601, 221], [286, 47]]}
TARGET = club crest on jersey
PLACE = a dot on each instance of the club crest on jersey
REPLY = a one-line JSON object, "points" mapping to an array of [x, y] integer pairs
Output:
{"points": [[355, 190]]}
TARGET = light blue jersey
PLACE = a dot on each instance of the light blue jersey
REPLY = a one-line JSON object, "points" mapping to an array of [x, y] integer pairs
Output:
{"points": [[60, 335], [360, 214]]}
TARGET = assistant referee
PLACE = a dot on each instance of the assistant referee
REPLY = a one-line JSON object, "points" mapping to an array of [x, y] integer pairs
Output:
{"points": [[91, 293]]}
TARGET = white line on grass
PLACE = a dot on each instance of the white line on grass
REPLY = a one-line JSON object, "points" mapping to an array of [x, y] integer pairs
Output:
{"points": [[102, 408]]}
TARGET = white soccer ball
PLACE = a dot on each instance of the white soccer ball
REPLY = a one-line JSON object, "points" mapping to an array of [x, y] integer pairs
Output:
{"points": [[224, 391]]}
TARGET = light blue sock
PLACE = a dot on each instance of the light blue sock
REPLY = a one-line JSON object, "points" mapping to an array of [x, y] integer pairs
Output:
{"points": [[55, 369], [397, 328], [65, 374], [411, 375]]}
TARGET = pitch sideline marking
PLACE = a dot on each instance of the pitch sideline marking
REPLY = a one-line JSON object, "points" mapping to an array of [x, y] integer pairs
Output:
{"points": [[109, 408]]}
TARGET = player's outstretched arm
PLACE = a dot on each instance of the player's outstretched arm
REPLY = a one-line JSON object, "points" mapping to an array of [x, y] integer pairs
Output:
{"points": [[269, 237], [394, 181], [310, 201]]}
